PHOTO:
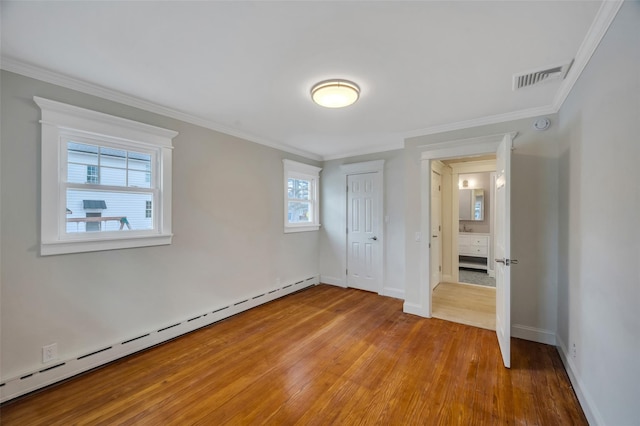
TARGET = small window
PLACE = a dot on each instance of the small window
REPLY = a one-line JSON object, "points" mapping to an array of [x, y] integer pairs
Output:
{"points": [[97, 171], [301, 207], [92, 174]]}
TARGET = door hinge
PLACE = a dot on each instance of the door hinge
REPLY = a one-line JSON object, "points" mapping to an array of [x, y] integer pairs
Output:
{"points": [[346, 271], [439, 228], [507, 262], [438, 187], [429, 245], [439, 268]]}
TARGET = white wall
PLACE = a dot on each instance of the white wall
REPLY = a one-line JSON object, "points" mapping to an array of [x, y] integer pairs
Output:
{"points": [[228, 239], [599, 239], [534, 220], [333, 219]]}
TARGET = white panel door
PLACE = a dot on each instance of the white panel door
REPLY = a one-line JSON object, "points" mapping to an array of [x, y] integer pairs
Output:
{"points": [[436, 229], [503, 249], [363, 236]]}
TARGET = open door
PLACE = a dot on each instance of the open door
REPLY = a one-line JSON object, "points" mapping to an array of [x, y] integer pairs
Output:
{"points": [[503, 249]]}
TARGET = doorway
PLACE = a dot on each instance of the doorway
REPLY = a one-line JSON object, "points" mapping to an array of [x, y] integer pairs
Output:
{"points": [[93, 226], [467, 294], [501, 145]]}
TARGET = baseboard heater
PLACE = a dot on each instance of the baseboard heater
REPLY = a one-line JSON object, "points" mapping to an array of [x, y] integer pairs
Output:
{"points": [[63, 369]]}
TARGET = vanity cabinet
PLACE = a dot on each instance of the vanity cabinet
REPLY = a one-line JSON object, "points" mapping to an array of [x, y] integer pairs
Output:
{"points": [[473, 250]]}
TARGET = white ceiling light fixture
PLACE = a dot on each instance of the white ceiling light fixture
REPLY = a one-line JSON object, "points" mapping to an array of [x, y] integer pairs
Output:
{"points": [[335, 93]]}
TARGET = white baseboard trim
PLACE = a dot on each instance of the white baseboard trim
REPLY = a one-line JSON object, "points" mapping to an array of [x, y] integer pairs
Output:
{"points": [[534, 334], [586, 402], [398, 293], [324, 279], [414, 309], [58, 370]]}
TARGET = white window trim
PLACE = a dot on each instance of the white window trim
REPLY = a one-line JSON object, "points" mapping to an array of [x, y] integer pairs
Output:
{"points": [[293, 169], [59, 119]]}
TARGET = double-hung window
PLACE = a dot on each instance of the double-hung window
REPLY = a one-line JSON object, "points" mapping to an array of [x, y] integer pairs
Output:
{"points": [[301, 201], [106, 181]]}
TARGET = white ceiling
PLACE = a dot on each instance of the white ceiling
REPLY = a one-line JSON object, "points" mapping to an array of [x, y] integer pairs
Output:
{"points": [[246, 68]]}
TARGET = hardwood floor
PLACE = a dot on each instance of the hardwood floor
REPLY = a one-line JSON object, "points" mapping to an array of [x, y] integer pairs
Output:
{"points": [[325, 355], [464, 303]]}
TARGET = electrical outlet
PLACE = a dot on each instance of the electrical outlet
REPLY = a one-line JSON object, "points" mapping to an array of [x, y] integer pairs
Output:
{"points": [[574, 351], [49, 352]]}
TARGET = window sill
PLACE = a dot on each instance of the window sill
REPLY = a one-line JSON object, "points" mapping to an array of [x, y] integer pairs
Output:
{"points": [[307, 228], [82, 246]]}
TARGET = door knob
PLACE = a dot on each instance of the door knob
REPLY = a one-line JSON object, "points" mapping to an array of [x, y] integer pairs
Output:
{"points": [[374, 238]]}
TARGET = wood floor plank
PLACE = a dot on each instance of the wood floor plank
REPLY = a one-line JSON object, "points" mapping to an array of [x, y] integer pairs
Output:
{"points": [[322, 356], [465, 303]]}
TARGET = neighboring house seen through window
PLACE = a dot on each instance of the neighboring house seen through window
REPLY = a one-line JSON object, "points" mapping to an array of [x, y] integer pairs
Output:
{"points": [[111, 175], [120, 171]]}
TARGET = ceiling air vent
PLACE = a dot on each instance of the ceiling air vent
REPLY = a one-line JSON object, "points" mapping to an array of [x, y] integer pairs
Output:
{"points": [[536, 77]]}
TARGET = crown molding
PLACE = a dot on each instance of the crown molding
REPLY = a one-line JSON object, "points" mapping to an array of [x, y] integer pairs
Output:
{"points": [[483, 121], [607, 12], [48, 76], [365, 151]]}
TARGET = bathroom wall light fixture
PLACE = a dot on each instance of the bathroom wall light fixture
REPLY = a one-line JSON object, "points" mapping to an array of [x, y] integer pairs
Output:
{"points": [[335, 93]]}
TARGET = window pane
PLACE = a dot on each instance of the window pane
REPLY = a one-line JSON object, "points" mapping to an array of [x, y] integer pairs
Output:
{"points": [[113, 157], [82, 153], [82, 162], [95, 211], [139, 161], [299, 212], [114, 177], [299, 189], [138, 178], [77, 173]]}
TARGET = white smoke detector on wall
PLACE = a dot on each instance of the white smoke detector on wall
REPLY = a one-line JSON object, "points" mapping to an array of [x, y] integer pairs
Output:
{"points": [[541, 123]]}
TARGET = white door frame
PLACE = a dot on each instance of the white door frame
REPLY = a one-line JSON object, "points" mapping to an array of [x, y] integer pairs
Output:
{"points": [[356, 169], [441, 151]]}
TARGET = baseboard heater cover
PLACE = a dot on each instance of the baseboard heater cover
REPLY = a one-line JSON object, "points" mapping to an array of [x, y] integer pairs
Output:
{"points": [[64, 369]]}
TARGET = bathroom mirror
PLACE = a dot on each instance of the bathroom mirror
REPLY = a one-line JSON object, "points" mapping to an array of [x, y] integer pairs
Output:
{"points": [[471, 204]]}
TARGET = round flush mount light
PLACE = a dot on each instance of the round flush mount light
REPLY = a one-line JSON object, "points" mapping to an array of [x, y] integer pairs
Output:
{"points": [[335, 93], [541, 124]]}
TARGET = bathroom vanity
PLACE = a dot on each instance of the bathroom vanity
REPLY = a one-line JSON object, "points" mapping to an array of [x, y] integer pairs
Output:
{"points": [[473, 250]]}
